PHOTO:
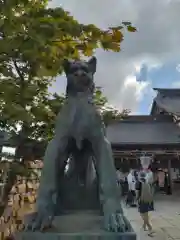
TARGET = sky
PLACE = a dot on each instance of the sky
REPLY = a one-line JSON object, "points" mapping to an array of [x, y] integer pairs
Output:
{"points": [[149, 58], [8, 150]]}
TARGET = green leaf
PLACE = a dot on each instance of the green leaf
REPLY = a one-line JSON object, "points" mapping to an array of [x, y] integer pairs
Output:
{"points": [[131, 29]]}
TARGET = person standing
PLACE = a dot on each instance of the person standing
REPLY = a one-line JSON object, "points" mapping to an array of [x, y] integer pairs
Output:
{"points": [[131, 188], [118, 175], [145, 201], [167, 185], [161, 178]]}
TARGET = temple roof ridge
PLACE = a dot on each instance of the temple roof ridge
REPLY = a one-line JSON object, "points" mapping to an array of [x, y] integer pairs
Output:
{"points": [[168, 91], [145, 119], [153, 131]]}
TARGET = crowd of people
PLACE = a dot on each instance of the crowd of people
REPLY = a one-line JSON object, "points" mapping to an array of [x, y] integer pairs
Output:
{"points": [[139, 188], [140, 194]]}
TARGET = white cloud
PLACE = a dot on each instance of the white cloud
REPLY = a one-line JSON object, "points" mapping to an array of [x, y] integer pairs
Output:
{"points": [[178, 67], [137, 87], [176, 84], [150, 62], [156, 42], [131, 89]]}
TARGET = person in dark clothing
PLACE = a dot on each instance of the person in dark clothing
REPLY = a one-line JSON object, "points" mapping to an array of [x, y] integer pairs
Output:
{"points": [[167, 185]]}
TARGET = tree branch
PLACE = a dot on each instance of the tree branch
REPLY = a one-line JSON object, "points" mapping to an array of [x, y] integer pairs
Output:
{"points": [[18, 71]]}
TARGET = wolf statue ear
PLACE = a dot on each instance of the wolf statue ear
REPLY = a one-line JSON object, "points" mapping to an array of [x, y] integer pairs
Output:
{"points": [[92, 64], [66, 65]]}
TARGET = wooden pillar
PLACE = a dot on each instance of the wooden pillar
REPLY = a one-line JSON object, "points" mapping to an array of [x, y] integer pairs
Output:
{"points": [[136, 159], [169, 178]]}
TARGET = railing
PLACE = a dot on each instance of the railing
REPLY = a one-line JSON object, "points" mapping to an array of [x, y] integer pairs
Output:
{"points": [[148, 152]]}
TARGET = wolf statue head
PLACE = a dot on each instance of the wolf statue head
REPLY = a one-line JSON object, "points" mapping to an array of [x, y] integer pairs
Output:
{"points": [[80, 76]]}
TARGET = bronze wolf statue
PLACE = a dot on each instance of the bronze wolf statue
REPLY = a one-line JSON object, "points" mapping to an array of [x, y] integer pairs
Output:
{"points": [[79, 121]]}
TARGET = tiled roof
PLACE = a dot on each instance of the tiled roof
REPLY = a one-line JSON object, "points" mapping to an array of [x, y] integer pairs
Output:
{"points": [[143, 132], [167, 99]]}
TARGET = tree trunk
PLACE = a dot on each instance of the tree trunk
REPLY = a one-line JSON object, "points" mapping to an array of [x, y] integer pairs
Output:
{"points": [[21, 143], [6, 190]]}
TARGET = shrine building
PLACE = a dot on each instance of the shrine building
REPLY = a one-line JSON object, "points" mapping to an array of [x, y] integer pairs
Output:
{"points": [[156, 135]]}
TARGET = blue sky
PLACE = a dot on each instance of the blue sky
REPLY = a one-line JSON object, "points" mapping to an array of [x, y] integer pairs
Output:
{"points": [[148, 58], [165, 76]]}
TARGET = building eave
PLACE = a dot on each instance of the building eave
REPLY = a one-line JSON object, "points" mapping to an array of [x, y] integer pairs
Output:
{"points": [[149, 132]]}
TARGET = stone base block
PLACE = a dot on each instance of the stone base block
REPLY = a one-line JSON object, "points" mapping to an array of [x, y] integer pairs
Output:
{"points": [[78, 226]]}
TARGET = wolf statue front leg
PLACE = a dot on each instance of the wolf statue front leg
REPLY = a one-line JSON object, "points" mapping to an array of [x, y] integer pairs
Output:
{"points": [[114, 219], [55, 157]]}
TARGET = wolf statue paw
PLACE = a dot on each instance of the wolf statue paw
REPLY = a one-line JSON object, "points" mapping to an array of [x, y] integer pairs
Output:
{"points": [[114, 218], [115, 222], [40, 221]]}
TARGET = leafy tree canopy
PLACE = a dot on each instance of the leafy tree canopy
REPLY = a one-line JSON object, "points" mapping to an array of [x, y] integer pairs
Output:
{"points": [[34, 39], [40, 37]]}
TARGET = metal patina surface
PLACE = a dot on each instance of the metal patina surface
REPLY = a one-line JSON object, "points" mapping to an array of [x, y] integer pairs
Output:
{"points": [[80, 141]]}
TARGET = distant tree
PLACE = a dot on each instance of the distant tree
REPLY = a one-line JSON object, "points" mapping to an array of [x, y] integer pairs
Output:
{"points": [[109, 113]]}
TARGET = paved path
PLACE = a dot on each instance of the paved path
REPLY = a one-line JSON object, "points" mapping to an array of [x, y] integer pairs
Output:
{"points": [[165, 219]]}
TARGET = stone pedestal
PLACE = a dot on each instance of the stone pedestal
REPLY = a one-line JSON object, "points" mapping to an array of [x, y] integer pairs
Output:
{"points": [[80, 226]]}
